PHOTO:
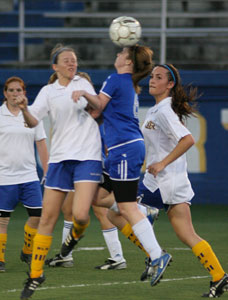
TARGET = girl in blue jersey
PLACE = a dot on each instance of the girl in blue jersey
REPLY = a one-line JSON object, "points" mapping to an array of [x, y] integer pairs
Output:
{"points": [[118, 99]]}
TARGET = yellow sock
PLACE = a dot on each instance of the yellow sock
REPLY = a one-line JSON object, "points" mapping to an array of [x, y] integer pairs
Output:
{"points": [[209, 260], [3, 240], [29, 234], [41, 246], [78, 229], [128, 232]]}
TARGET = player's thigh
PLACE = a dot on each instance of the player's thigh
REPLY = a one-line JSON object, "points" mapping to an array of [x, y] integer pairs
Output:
{"points": [[67, 206], [52, 203], [83, 198]]}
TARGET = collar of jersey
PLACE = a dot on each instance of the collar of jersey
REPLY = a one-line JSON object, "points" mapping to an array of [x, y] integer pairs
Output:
{"points": [[6, 111], [60, 87], [162, 103]]}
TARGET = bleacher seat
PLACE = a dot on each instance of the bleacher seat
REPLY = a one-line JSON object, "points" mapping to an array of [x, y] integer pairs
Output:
{"points": [[8, 51], [34, 17]]}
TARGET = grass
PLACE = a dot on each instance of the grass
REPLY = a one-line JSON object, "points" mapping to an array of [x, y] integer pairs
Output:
{"points": [[83, 282]]}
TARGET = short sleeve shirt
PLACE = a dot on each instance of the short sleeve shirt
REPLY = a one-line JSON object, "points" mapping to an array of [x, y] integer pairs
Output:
{"points": [[17, 154], [162, 131], [75, 134], [121, 123]]}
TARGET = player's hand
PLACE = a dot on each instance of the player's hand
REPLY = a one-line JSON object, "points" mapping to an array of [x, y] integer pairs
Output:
{"points": [[22, 102], [156, 168], [77, 94]]}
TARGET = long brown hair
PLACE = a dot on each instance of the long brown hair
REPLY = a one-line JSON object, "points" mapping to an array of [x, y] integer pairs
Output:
{"points": [[141, 56], [183, 102]]}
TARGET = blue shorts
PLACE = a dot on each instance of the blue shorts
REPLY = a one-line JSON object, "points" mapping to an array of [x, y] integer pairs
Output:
{"points": [[63, 175], [124, 163], [28, 193], [145, 196]]}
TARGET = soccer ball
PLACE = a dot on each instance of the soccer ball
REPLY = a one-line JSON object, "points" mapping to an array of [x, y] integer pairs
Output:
{"points": [[125, 31]]}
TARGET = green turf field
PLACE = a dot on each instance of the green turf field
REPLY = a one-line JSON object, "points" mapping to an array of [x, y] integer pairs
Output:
{"points": [[184, 279]]}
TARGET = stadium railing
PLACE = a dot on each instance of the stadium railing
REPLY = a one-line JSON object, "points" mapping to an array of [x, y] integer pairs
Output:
{"points": [[162, 32]]}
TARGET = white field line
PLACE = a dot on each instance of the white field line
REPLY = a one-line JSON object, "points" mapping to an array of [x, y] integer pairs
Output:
{"points": [[180, 249], [104, 284], [103, 248], [87, 249]]}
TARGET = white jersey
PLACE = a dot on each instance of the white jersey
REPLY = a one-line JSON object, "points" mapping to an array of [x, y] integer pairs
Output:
{"points": [[17, 153], [75, 134], [162, 131]]}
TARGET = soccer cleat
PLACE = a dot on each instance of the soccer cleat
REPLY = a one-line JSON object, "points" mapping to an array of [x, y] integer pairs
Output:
{"points": [[111, 264], [225, 288], [156, 268], [68, 244], [152, 213], [31, 285], [26, 258], [217, 288], [2, 267], [148, 271], [59, 261]]}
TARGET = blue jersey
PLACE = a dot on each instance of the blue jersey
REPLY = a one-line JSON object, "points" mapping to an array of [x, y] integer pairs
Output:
{"points": [[101, 127], [121, 123]]}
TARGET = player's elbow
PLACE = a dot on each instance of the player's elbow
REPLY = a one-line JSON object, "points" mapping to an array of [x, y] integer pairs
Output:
{"points": [[190, 140]]}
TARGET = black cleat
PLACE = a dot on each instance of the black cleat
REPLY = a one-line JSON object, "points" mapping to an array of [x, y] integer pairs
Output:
{"points": [[217, 288], [31, 285], [2, 267], [59, 261], [68, 244], [26, 258], [148, 271], [111, 264]]}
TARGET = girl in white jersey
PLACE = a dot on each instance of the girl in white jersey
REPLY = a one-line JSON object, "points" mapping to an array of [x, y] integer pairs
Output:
{"points": [[19, 181], [118, 99], [75, 156], [167, 140]]}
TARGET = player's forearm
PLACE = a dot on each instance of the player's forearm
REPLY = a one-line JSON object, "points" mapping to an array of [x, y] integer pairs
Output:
{"points": [[43, 154], [184, 144], [93, 100], [29, 119]]}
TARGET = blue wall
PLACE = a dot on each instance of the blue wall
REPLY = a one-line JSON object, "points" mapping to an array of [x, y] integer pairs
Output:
{"points": [[210, 186]]}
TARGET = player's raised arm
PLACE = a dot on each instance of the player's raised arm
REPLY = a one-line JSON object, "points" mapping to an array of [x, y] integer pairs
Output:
{"points": [[22, 103], [97, 102]]}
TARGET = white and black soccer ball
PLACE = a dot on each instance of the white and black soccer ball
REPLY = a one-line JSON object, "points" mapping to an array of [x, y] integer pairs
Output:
{"points": [[125, 31]]}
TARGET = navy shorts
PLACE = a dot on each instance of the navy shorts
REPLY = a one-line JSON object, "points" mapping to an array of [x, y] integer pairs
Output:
{"points": [[29, 194], [124, 163], [145, 196], [63, 175]]}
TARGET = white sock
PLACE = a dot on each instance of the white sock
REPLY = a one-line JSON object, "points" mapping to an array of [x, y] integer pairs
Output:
{"points": [[145, 233], [114, 207], [66, 229], [112, 241], [142, 208]]}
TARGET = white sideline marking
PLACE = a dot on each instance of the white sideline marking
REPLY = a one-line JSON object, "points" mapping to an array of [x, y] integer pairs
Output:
{"points": [[86, 249], [103, 284], [103, 248], [180, 249]]}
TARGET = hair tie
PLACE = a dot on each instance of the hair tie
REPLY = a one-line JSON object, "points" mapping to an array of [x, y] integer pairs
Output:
{"points": [[171, 72], [54, 59]]}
